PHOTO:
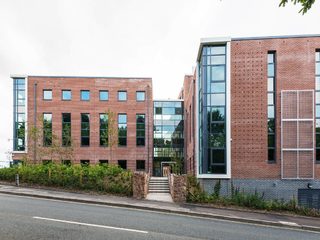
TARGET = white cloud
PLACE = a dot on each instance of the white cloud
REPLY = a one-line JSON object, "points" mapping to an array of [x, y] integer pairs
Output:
{"points": [[142, 38]]}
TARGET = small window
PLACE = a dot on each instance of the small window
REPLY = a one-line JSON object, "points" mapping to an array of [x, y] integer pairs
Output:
{"points": [[46, 162], [141, 165], [85, 95], [103, 162], [122, 95], [66, 162], [122, 164], [66, 95], [84, 163], [140, 96], [104, 95], [47, 94]]}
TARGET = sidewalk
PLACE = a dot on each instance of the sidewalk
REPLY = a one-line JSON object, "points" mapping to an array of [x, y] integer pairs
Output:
{"points": [[288, 221]]}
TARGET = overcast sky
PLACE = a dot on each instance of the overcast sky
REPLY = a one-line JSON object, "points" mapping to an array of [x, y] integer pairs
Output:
{"points": [[140, 38]]}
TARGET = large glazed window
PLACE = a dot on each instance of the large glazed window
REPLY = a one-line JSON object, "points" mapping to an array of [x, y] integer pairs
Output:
{"points": [[19, 114], [212, 110], [317, 106], [122, 129], [66, 129], [47, 129], [141, 129], [104, 129], [85, 129], [271, 107]]}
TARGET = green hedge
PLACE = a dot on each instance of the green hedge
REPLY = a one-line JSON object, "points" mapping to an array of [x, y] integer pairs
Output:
{"points": [[106, 178]]}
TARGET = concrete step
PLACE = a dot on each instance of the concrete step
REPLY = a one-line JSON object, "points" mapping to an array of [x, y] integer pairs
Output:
{"points": [[158, 187], [159, 191]]}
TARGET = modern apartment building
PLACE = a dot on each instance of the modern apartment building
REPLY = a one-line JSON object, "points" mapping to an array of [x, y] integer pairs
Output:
{"points": [[255, 104], [77, 111], [248, 117]]}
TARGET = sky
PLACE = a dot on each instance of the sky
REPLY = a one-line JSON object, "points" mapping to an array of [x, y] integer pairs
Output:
{"points": [[127, 38]]}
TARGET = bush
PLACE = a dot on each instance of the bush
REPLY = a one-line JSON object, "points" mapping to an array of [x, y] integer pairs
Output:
{"points": [[195, 194], [106, 178]]}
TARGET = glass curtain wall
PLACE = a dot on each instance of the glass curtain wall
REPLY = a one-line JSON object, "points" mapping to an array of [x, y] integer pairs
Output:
{"points": [[168, 134], [19, 114], [212, 110]]}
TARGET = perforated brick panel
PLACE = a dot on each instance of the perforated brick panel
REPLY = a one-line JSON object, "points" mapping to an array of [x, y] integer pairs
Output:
{"points": [[297, 134]]}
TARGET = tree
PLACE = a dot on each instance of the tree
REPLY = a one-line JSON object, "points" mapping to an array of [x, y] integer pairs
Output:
{"points": [[44, 145], [109, 131], [306, 4]]}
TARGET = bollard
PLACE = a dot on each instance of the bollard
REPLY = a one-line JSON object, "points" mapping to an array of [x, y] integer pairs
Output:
{"points": [[17, 180]]}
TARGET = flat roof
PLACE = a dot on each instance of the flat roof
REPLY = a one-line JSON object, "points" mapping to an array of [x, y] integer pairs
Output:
{"points": [[43, 76], [168, 100], [217, 40]]}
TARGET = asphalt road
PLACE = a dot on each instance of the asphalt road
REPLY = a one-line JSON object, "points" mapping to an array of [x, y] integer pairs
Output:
{"points": [[31, 218]]}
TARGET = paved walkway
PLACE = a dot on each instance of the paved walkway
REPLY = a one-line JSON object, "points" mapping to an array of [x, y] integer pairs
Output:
{"points": [[163, 197], [289, 221]]}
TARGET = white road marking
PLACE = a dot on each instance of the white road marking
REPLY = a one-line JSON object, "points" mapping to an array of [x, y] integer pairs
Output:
{"points": [[288, 223], [91, 225]]}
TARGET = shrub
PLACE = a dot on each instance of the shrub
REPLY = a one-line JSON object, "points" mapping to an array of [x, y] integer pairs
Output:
{"points": [[107, 178], [254, 200]]}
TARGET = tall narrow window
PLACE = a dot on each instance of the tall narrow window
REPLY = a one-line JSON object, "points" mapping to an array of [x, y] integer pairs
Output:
{"points": [[212, 113], [66, 129], [85, 129], [318, 106], [141, 129], [271, 92], [103, 129], [122, 129], [19, 114], [47, 129]]}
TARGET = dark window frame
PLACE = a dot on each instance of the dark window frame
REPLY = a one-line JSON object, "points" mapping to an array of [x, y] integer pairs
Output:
{"points": [[126, 131], [144, 96], [43, 94], [64, 123], [271, 158], [118, 96], [103, 91], [144, 165], [140, 130], [66, 90], [317, 149], [85, 100], [82, 129]]}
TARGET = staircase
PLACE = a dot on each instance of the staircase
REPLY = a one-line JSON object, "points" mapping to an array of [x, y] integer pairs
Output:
{"points": [[158, 185]]}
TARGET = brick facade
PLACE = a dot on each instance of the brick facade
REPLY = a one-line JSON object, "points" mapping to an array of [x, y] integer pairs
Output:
{"points": [[94, 107]]}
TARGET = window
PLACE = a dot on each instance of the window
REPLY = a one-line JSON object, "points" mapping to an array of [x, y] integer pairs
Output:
{"points": [[66, 95], [122, 129], [317, 73], [104, 95], [103, 162], [47, 129], [140, 95], [66, 129], [46, 162], [66, 162], [122, 95], [271, 92], [141, 129], [104, 129], [85, 163], [85, 95], [85, 129], [47, 94], [141, 165], [122, 164], [212, 105]]}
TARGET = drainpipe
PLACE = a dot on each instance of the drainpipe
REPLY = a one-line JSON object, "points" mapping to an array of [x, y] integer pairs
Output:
{"points": [[35, 118]]}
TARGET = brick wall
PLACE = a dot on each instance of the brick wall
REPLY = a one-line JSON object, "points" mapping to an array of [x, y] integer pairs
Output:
{"points": [[131, 107], [295, 69]]}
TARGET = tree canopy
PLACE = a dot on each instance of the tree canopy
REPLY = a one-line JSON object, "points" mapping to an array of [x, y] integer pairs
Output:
{"points": [[306, 4]]}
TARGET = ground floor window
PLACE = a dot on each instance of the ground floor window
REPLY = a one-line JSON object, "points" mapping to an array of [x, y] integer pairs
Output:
{"points": [[122, 164], [141, 165]]}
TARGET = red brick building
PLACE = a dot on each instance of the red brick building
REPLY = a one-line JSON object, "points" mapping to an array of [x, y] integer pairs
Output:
{"points": [[257, 118], [81, 103]]}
